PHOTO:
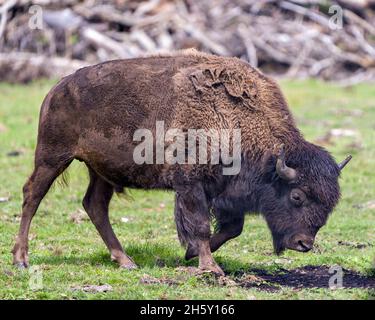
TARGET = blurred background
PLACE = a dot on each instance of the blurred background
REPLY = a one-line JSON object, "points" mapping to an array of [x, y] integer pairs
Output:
{"points": [[331, 40]]}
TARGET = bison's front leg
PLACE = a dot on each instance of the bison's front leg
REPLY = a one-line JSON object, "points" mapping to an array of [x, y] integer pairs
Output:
{"points": [[193, 224], [228, 226]]}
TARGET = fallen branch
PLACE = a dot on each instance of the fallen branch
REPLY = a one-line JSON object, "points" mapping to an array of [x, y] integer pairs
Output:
{"points": [[4, 15], [289, 37]]}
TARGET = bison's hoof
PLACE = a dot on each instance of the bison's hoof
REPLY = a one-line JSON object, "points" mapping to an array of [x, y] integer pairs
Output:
{"points": [[214, 269], [21, 265]]}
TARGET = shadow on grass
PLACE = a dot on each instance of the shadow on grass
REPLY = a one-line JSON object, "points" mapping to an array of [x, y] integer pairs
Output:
{"points": [[145, 255], [151, 255], [95, 259]]}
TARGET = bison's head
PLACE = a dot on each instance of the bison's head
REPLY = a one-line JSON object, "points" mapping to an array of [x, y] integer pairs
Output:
{"points": [[301, 191]]}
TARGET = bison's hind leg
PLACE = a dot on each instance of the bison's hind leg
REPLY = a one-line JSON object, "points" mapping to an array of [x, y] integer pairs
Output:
{"points": [[47, 169], [96, 203]]}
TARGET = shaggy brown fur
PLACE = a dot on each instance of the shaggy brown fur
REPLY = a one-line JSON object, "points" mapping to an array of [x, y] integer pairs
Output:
{"points": [[92, 115]]}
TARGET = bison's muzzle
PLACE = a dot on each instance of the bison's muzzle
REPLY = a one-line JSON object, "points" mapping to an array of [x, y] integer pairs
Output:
{"points": [[301, 242]]}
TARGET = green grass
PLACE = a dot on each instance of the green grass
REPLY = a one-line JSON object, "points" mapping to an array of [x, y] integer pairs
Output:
{"points": [[71, 254]]}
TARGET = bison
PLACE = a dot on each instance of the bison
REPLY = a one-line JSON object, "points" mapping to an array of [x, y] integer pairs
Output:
{"points": [[93, 115]]}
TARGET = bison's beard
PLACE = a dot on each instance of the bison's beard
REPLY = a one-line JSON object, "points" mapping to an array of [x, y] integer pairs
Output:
{"points": [[278, 245]]}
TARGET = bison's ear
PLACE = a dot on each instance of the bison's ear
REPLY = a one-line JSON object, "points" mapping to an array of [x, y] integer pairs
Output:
{"points": [[268, 163]]}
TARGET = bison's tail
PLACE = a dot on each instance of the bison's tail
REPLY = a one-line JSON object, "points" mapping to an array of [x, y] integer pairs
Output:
{"points": [[63, 179], [122, 193]]}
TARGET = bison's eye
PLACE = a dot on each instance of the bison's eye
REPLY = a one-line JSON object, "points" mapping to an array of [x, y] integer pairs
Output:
{"points": [[297, 197]]}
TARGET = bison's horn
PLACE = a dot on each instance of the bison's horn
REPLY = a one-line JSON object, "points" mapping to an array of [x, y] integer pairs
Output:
{"points": [[282, 169], [345, 162]]}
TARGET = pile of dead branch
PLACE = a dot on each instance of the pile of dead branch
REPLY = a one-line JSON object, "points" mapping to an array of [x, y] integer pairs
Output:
{"points": [[332, 40]]}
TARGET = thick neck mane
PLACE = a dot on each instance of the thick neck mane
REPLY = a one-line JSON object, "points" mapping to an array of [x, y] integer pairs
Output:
{"points": [[225, 92]]}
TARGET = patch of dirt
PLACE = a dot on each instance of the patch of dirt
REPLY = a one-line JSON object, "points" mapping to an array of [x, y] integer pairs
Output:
{"points": [[3, 128], [348, 112], [245, 280], [93, 288], [297, 279], [78, 216], [254, 281], [306, 277], [194, 271], [4, 199], [331, 137], [15, 153], [147, 279], [368, 205], [354, 244]]}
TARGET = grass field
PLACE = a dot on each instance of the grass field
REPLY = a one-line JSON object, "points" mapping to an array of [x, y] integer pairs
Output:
{"points": [[70, 255]]}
